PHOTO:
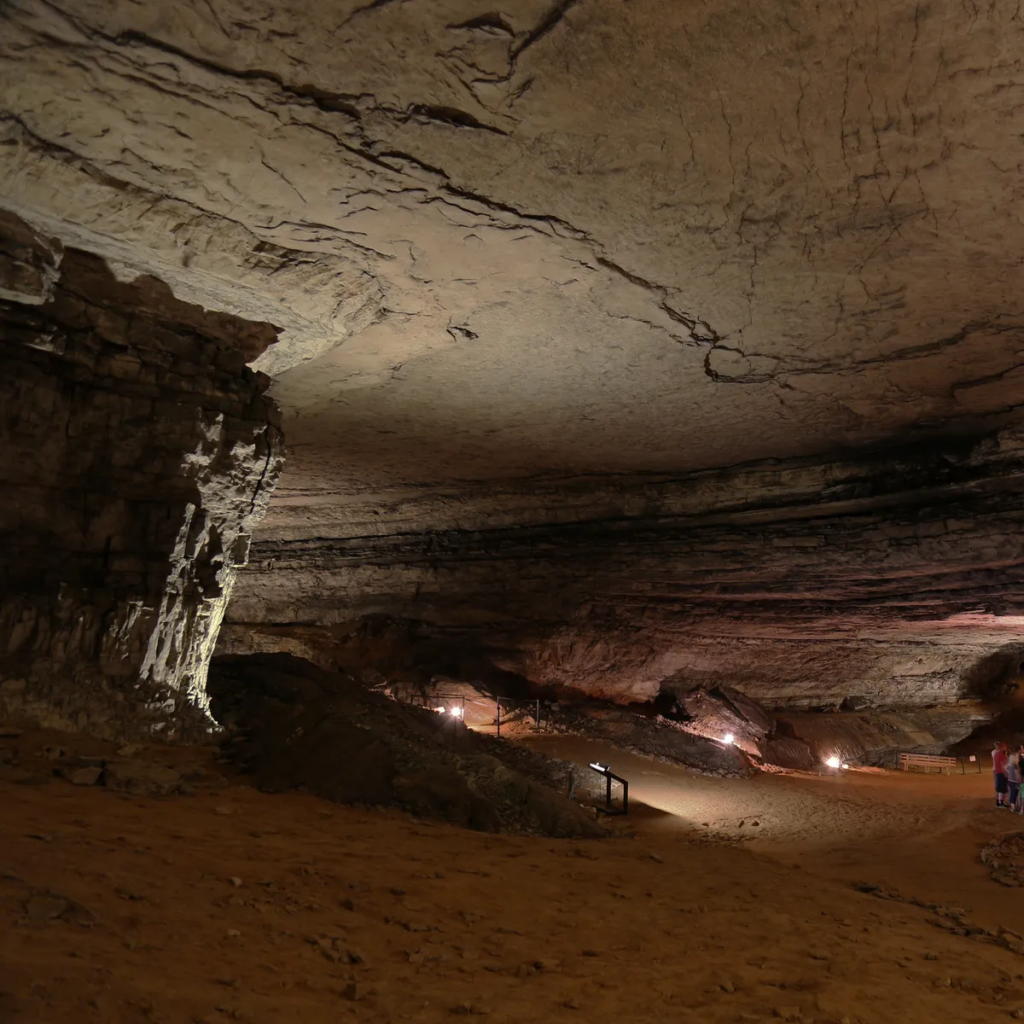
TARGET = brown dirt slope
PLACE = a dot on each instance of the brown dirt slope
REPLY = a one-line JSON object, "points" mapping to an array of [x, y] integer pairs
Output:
{"points": [[229, 904]]}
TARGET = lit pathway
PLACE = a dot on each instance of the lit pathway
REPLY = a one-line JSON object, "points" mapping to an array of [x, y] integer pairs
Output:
{"points": [[919, 833]]}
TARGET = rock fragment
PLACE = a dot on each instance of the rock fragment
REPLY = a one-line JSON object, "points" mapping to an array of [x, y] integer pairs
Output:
{"points": [[83, 771], [45, 905], [141, 778]]}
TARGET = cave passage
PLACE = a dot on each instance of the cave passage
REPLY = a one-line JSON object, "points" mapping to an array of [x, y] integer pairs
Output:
{"points": [[406, 406]]}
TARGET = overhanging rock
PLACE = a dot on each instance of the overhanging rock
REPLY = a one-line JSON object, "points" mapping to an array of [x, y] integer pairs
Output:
{"points": [[138, 453]]}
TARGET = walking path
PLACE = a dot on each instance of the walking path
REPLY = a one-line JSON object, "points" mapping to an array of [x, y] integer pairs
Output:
{"points": [[918, 832]]}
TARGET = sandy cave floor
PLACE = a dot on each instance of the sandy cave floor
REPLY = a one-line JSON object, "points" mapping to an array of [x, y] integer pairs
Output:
{"points": [[229, 904], [915, 831]]}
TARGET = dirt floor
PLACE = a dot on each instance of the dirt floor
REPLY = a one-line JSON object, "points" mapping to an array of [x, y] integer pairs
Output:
{"points": [[918, 832], [228, 904]]}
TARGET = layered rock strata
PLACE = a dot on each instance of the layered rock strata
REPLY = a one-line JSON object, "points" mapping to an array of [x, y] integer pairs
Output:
{"points": [[138, 453], [893, 578], [574, 236]]}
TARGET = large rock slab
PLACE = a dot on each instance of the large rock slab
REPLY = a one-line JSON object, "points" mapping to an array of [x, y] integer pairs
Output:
{"points": [[138, 452]]}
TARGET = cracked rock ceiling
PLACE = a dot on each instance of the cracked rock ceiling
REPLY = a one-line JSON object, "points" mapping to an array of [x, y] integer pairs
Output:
{"points": [[553, 239]]}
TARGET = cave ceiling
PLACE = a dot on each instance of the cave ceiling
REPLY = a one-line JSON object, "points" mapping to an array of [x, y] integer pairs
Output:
{"points": [[575, 262], [553, 239]]}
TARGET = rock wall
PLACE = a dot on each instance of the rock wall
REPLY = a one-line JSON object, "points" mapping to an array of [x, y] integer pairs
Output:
{"points": [[893, 577], [878, 737], [138, 453]]}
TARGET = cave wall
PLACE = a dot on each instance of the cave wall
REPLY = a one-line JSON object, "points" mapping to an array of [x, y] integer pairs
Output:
{"points": [[889, 576], [138, 452]]}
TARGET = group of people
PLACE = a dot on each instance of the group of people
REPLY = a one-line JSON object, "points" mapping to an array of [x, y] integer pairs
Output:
{"points": [[1008, 767]]}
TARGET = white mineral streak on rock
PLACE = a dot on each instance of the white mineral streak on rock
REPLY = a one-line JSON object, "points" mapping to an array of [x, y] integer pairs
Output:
{"points": [[140, 453]]}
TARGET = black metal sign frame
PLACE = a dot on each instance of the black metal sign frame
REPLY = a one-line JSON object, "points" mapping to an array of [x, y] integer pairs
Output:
{"points": [[610, 777]]}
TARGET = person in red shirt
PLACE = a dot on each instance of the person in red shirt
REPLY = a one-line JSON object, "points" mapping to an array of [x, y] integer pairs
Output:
{"points": [[999, 756]]}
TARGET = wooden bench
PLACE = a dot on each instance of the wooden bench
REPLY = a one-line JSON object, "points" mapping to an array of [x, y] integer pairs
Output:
{"points": [[927, 761]]}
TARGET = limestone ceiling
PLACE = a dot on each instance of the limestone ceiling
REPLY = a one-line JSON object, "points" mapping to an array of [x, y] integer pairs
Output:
{"points": [[588, 236]]}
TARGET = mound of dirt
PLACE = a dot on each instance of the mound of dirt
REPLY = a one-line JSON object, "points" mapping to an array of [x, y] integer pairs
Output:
{"points": [[296, 726]]}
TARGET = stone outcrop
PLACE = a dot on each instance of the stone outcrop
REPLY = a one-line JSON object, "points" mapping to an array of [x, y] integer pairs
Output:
{"points": [[875, 737], [653, 736], [138, 454], [1004, 859]]}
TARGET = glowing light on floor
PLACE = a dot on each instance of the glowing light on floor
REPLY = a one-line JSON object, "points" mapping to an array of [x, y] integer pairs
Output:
{"points": [[456, 712], [729, 738], [834, 762]]}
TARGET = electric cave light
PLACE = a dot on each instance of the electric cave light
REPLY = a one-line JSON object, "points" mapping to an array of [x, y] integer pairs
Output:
{"points": [[729, 738], [834, 762]]}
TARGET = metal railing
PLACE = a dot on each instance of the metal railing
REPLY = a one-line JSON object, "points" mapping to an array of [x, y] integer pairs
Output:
{"points": [[532, 706], [506, 709], [453, 704]]}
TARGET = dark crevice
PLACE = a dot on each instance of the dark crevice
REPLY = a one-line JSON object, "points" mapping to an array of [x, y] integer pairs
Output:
{"points": [[451, 116], [374, 5], [492, 21], [550, 20]]}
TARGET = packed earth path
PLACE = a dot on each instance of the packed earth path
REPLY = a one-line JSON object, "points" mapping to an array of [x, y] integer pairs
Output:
{"points": [[227, 904], [920, 832]]}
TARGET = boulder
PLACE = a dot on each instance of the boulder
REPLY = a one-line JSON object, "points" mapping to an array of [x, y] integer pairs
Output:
{"points": [[142, 778], [87, 776]]}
